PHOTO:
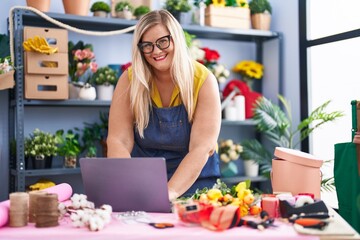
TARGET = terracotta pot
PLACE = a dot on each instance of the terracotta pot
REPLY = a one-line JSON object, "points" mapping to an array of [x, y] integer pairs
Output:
{"points": [[261, 21], [100, 14], [77, 7], [41, 5]]}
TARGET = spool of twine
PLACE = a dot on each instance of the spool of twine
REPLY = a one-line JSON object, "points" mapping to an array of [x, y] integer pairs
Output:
{"points": [[33, 198], [18, 209], [47, 213]]}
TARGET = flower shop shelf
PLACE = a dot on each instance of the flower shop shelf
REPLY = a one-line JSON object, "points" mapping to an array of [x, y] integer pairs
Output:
{"points": [[235, 180], [65, 103], [48, 172], [264, 40], [112, 24]]}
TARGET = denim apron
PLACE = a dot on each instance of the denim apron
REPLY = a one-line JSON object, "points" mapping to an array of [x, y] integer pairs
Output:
{"points": [[168, 136]]}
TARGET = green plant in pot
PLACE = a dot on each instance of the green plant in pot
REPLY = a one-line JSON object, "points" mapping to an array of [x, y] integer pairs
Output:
{"points": [[140, 11], [260, 14], [179, 9], [105, 81], [100, 9], [40, 147], [68, 147], [275, 125], [124, 9]]}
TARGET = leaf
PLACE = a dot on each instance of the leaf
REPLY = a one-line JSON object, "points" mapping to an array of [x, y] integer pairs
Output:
{"points": [[4, 46]]}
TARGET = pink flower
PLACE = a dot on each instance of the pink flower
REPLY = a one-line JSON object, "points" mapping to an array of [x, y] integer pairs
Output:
{"points": [[93, 66]]}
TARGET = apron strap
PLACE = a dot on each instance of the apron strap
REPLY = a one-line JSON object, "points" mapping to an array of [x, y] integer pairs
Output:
{"points": [[356, 137]]}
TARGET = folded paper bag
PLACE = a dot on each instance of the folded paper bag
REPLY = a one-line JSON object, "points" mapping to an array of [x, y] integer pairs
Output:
{"points": [[296, 172]]}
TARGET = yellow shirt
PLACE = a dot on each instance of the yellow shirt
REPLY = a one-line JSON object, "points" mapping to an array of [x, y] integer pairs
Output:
{"points": [[200, 75]]}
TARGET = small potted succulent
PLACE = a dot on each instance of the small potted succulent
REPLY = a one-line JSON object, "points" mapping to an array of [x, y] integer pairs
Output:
{"points": [[140, 11], [180, 9], [68, 147], [260, 14], [100, 9], [104, 79], [124, 9], [40, 147]]}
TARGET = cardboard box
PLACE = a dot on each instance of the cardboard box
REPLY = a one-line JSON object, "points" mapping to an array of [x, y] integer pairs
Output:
{"points": [[296, 172], [227, 17], [54, 36], [37, 63], [50, 87]]}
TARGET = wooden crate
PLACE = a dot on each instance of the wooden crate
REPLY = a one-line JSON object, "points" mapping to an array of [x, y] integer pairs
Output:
{"points": [[55, 37], [55, 64], [227, 17], [50, 87]]}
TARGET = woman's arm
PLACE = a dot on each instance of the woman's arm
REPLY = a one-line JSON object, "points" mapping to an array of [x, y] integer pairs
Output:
{"points": [[120, 140], [203, 138]]}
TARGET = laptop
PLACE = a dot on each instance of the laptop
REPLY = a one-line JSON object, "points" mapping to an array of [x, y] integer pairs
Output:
{"points": [[127, 184]]}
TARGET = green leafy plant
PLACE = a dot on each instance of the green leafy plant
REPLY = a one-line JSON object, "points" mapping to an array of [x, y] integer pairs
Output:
{"points": [[104, 76], [68, 144], [228, 3], [275, 125], [123, 5], [141, 10], [100, 6], [174, 6], [260, 6], [40, 144]]}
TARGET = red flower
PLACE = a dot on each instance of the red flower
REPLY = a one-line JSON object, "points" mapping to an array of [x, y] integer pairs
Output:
{"points": [[211, 55]]}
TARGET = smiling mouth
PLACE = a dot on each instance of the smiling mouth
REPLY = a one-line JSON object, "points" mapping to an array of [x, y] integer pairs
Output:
{"points": [[160, 58]]}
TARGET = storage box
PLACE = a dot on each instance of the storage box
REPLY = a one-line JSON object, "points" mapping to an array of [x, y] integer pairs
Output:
{"points": [[37, 63], [227, 17], [296, 172], [55, 37], [51, 87]]}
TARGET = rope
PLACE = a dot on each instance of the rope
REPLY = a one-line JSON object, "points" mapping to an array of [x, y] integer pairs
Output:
{"points": [[58, 23]]}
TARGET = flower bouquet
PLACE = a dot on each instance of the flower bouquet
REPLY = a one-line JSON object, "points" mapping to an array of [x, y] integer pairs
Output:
{"points": [[249, 70], [202, 208], [229, 152]]}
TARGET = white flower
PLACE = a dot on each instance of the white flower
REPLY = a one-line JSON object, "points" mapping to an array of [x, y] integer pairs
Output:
{"points": [[224, 157], [233, 155]]}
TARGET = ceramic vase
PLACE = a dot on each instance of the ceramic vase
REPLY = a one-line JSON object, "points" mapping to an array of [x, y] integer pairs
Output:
{"points": [[41, 5], [229, 169], [261, 21], [87, 93], [105, 92], [251, 168], [77, 7]]}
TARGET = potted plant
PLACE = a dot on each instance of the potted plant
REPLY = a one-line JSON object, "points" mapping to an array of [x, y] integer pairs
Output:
{"points": [[41, 5], [260, 14], [100, 9], [104, 79], [124, 9], [40, 147], [275, 125], [180, 9], [76, 7], [6, 67], [81, 67], [229, 152], [68, 147], [140, 11]]}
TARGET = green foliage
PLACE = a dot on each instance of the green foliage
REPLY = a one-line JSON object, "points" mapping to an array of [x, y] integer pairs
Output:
{"points": [[68, 144], [4, 46], [40, 144], [275, 125], [141, 10], [121, 6], [104, 76], [260, 6], [100, 6], [189, 38], [174, 6]]}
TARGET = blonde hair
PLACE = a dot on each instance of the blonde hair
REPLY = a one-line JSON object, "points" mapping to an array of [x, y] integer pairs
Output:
{"points": [[182, 69]]}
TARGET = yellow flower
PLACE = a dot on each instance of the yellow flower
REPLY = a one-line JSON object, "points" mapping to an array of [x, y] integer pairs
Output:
{"points": [[244, 210], [214, 194], [219, 3], [250, 69], [242, 3]]}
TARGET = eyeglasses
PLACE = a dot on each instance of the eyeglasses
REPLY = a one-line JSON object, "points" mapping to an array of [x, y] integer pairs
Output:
{"points": [[148, 47]]}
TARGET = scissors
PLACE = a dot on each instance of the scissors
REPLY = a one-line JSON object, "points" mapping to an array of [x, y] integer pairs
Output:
{"points": [[161, 225]]}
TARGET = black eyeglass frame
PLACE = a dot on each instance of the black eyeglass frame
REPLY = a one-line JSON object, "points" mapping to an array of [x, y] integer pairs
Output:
{"points": [[140, 44]]}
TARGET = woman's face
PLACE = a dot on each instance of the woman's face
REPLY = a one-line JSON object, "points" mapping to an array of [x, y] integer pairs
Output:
{"points": [[155, 37]]}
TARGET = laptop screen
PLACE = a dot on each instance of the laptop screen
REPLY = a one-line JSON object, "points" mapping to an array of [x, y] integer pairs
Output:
{"points": [[127, 184]]}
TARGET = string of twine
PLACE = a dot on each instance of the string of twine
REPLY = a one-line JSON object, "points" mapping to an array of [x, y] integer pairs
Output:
{"points": [[18, 211], [33, 199], [57, 23], [47, 213]]}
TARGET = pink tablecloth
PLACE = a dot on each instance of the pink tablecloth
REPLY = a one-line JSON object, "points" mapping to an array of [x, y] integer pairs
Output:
{"points": [[117, 229]]}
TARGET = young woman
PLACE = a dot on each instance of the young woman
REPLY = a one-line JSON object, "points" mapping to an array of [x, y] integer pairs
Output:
{"points": [[167, 105]]}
